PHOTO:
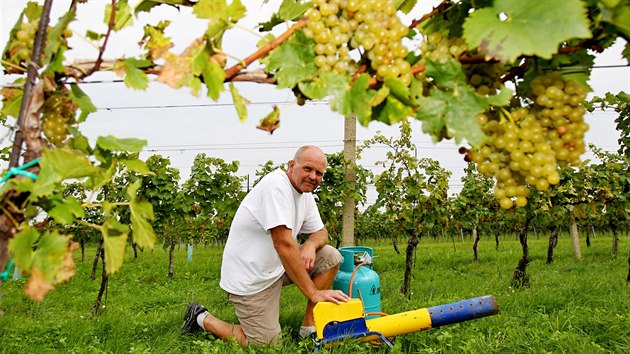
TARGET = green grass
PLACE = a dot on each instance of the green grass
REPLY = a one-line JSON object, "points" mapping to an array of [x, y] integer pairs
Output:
{"points": [[570, 307]]}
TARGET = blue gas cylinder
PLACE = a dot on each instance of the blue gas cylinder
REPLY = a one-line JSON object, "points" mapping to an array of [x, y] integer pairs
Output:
{"points": [[366, 284]]}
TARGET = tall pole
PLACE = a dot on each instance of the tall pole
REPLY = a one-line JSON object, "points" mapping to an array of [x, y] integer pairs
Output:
{"points": [[350, 158]]}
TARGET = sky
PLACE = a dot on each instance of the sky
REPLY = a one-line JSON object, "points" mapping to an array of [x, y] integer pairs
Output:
{"points": [[179, 126]]}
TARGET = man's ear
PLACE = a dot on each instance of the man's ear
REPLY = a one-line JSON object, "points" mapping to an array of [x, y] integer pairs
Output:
{"points": [[291, 164]]}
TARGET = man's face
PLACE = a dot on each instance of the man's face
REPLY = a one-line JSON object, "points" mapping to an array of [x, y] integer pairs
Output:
{"points": [[307, 172]]}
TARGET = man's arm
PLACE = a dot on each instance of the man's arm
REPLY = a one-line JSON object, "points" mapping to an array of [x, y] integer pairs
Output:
{"points": [[289, 253], [313, 243]]}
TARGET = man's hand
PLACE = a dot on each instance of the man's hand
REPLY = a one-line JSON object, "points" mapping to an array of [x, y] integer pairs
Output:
{"points": [[335, 296], [307, 254]]}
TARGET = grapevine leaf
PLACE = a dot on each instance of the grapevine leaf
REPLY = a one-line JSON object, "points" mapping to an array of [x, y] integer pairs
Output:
{"points": [[12, 106], [114, 241], [85, 103], [21, 245], [293, 61], [355, 99], [219, 14], [325, 84], [37, 286], [54, 43], [65, 211], [94, 35], [57, 165], [213, 74], [405, 5], [401, 92], [529, 27], [135, 77], [154, 40], [147, 5], [132, 189], [271, 121], [500, 99], [111, 143], [49, 254], [447, 74], [136, 165], [32, 11], [290, 10], [456, 111], [240, 103], [143, 234], [122, 18], [391, 111]]}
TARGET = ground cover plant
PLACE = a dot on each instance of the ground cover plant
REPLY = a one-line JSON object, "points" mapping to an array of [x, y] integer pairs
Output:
{"points": [[570, 306]]}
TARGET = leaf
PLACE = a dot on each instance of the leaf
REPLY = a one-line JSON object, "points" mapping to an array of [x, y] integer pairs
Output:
{"points": [[143, 233], [65, 211], [136, 165], [134, 77], [21, 245], [355, 100], [457, 111], [122, 18], [147, 5], [132, 189], [271, 121], [85, 103], [240, 103], [37, 287], [111, 143], [293, 61], [213, 77], [391, 111], [12, 106], [325, 84], [530, 27], [58, 165], [49, 254], [290, 10], [114, 241], [219, 14]]}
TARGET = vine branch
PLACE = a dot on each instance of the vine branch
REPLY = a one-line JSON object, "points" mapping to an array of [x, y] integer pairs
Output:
{"points": [[231, 72], [110, 25]]}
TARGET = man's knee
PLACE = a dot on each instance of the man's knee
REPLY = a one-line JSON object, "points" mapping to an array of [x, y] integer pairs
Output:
{"points": [[326, 259]]}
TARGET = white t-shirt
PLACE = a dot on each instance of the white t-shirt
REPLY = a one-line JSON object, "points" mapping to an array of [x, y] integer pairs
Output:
{"points": [[250, 262]]}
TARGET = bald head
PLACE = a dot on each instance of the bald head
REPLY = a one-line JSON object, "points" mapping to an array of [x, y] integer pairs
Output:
{"points": [[310, 151], [307, 168]]}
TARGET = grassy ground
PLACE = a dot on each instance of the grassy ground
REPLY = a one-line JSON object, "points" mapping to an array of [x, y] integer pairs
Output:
{"points": [[570, 307]]}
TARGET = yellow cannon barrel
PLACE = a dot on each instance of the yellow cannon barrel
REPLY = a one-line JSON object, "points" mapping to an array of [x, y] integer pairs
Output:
{"points": [[347, 320]]}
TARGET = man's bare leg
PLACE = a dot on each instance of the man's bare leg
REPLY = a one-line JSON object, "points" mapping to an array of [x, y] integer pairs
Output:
{"points": [[322, 282], [224, 330]]}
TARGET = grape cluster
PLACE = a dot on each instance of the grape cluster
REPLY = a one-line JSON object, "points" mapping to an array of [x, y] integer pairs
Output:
{"points": [[440, 48], [21, 47], [485, 78], [526, 145], [57, 115], [339, 26]]}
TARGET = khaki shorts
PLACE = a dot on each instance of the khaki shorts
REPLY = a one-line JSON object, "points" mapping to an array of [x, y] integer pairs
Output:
{"points": [[259, 314]]}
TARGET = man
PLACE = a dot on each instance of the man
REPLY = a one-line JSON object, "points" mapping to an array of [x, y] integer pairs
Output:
{"points": [[262, 255]]}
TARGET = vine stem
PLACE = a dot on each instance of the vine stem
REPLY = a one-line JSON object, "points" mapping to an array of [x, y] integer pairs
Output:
{"points": [[31, 78], [231, 72], [110, 25]]}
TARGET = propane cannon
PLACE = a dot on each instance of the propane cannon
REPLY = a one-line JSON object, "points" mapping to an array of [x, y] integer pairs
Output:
{"points": [[361, 317], [348, 320]]}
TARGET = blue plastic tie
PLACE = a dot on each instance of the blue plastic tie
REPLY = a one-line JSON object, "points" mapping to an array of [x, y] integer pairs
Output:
{"points": [[4, 276], [14, 171]]}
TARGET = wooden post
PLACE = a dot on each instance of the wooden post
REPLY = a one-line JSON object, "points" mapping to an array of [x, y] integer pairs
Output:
{"points": [[350, 158], [575, 240]]}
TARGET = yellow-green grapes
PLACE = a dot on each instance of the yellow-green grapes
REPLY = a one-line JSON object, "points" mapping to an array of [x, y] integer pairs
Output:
{"points": [[339, 26], [525, 147]]}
